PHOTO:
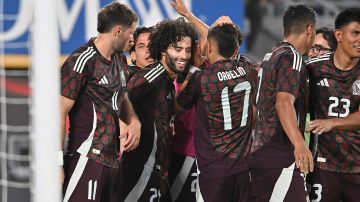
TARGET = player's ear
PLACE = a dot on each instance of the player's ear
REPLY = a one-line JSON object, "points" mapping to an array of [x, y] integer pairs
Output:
{"points": [[117, 30], [310, 30], [338, 35]]}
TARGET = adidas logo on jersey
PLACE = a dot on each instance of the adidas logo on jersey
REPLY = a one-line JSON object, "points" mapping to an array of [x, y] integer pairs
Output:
{"points": [[104, 80], [323, 82]]}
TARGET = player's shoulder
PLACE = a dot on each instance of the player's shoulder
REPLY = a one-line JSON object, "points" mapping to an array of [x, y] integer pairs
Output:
{"points": [[319, 59], [80, 58], [152, 73]]}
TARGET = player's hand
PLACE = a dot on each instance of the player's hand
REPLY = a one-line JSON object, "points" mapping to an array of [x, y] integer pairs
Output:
{"points": [[303, 157], [180, 7], [132, 131], [320, 126], [221, 21]]}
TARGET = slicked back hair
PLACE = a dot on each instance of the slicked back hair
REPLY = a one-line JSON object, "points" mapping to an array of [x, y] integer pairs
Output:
{"points": [[347, 16], [296, 19], [113, 14], [226, 37], [168, 33]]}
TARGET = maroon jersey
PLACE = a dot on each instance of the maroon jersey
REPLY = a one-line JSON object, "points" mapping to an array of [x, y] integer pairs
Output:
{"points": [[335, 93], [132, 69], [282, 70], [224, 95], [97, 85], [151, 92]]}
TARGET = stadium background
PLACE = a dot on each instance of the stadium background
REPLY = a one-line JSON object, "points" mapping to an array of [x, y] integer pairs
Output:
{"points": [[260, 20]]}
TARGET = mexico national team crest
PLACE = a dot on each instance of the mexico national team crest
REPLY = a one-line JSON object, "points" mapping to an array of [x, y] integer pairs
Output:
{"points": [[356, 87]]}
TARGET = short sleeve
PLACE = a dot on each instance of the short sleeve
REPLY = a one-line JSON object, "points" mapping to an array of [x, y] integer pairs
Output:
{"points": [[73, 77], [290, 67]]}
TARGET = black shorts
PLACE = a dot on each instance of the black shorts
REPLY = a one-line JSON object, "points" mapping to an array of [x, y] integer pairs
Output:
{"points": [[234, 188], [86, 180], [278, 184], [151, 186], [333, 186], [182, 178]]}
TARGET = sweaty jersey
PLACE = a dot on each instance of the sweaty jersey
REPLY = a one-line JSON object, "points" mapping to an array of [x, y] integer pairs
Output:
{"points": [[151, 91], [335, 93], [282, 70], [223, 95], [97, 86]]}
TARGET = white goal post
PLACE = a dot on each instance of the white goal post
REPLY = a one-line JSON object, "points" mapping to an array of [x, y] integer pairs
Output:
{"points": [[45, 134]]}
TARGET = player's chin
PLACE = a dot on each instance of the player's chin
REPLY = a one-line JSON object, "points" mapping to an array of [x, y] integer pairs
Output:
{"points": [[180, 68]]}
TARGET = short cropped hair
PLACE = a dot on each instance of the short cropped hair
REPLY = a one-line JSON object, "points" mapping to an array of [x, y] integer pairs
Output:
{"points": [[347, 16], [329, 36], [170, 32], [113, 14], [226, 37], [297, 17]]}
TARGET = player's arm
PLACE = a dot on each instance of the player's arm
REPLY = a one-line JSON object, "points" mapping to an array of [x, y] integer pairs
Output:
{"points": [[287, 92], [188, 93], [287, 115], [199, 25], [65, 106], [133, 129], [319, 126]]}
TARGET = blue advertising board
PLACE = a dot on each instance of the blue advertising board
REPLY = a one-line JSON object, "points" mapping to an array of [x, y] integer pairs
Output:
{"points": [[77, 19]]}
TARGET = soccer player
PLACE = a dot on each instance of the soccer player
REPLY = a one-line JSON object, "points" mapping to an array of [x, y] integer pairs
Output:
{"points": [[139, 52], [151, 90], [93, 91], [224, 95], [324, 42], [281, 110], [335, 105]]}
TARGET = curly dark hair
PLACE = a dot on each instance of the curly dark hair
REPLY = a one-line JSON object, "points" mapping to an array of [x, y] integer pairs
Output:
{"points": [[170, 32]]}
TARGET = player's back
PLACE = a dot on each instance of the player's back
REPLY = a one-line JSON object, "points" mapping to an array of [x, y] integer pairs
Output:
{"points": [[224, 115], [282, 70]]}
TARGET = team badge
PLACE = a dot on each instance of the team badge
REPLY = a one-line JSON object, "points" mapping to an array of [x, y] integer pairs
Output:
{"points": [[123, 80], [356, 87]]}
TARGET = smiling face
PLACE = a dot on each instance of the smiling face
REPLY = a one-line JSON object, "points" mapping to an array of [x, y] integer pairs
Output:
{"points": [[177, 56], [348, 38]]}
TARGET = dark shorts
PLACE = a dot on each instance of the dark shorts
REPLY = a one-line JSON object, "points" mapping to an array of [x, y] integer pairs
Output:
{"points": [[233, 188], [151, 186], [278, 184], [182, 178], [87, 180], [333, 186]]}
